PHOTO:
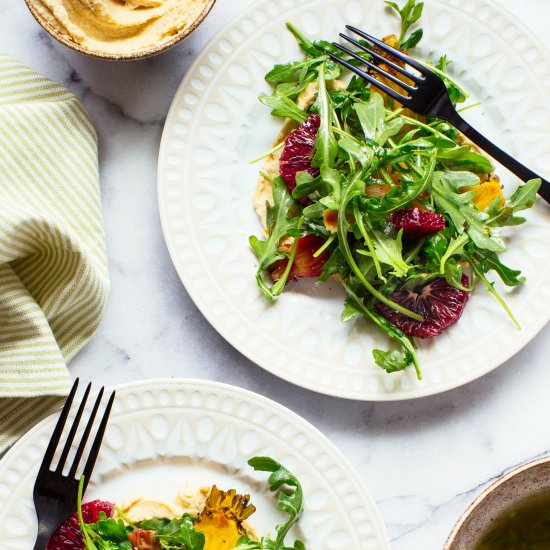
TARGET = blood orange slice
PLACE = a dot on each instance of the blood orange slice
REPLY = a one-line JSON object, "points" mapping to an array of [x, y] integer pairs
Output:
{"points": [[298, 152], [68, 535], [439, 303]]}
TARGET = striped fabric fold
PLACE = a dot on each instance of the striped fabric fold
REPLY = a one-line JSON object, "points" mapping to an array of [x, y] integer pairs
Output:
{"points": [[53, 267]]}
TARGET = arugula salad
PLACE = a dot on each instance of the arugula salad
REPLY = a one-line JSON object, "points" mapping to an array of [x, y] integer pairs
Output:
{"points": [[402, 210], [219, 525]]}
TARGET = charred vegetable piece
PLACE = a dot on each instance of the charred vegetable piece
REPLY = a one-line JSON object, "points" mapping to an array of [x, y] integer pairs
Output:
{"points": [[142, 539], [221, 519]]}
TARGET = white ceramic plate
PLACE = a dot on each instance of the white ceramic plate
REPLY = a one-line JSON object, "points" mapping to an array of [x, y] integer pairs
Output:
{"points": [[205, 187], [164, 435]]}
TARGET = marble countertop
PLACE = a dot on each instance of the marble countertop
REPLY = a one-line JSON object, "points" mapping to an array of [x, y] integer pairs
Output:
{"points": [[423, 460]]}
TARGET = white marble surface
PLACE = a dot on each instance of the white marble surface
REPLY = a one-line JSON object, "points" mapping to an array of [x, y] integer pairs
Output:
{"points": [[422, 460]]}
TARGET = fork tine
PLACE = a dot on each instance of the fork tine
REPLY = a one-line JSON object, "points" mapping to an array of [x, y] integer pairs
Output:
{"points": [[85, 435], [397, 53], [72, 432], [56, 435], [375, 67], [90, 463], [381, 58], [390, 91]]}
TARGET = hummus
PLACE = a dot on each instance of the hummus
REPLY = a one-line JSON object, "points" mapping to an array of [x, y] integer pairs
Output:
{"points": [[119, 27], [190, 501]]}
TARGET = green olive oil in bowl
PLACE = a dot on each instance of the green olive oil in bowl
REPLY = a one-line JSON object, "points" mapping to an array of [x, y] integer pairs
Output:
{"points": [[513, 513], [524, 526]]}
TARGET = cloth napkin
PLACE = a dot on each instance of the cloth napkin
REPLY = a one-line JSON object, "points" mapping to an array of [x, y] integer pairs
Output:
{"points": [[53, 266]]}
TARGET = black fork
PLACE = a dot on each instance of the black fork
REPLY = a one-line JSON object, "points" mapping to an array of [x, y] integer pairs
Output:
{"points": [[425, 94], [55, 494]]}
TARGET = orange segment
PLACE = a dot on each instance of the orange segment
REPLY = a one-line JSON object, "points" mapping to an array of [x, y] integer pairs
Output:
{"points": [[486, 192], [392, 41]]}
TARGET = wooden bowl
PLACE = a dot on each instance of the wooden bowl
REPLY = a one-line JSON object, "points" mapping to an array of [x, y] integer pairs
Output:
{"points": [[139, 54], [521, 482]]}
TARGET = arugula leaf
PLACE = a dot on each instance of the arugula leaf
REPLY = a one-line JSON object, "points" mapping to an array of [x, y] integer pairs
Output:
{"points": [[488, 261], [290, 501], [371, 115], [336, 265], [333, 178], [390, 251], [463, 158], [294, 89], [397, 197], [153, 524], [180, 533], [357, 151], [365, 227], [393, 360], [410, 13], [456, 246], [280, 222], [304, 42], [438, 258], [413, 40], [459, 206], [455, 91], [477, 269], [524, 197], [434, 249], [305, 185], [354, 305], [326, 147], [281, 73], [453, 275], [284, 107], [110, 529]]}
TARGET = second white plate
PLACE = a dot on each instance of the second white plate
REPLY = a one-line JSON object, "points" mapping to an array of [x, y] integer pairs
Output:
{"points": [[206, 185], [165, 435]]}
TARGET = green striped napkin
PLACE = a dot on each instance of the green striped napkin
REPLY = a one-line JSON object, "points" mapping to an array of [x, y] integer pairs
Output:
{"points": [[53, 267]]}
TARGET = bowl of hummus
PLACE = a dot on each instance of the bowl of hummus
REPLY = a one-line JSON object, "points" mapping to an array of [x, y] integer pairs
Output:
{"points": [[120, 29]]}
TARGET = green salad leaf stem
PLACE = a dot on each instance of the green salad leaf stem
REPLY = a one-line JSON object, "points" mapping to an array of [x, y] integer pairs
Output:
{"points": [[290, 501]]}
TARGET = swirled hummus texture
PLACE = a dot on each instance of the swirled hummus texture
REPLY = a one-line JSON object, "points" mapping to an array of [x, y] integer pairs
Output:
{"points": [[119, 26]]}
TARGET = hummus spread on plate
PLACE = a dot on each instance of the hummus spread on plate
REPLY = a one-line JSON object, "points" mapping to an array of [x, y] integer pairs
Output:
{"points": [[190, 501], [119, 26]]}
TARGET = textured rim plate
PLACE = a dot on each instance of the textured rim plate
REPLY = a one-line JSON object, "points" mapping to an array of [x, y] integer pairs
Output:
{"points": [[180, 431], [205, 188]]}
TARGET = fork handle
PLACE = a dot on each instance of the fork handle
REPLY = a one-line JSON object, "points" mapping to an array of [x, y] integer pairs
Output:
{"points": [[42, 538], [498, 154]]}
